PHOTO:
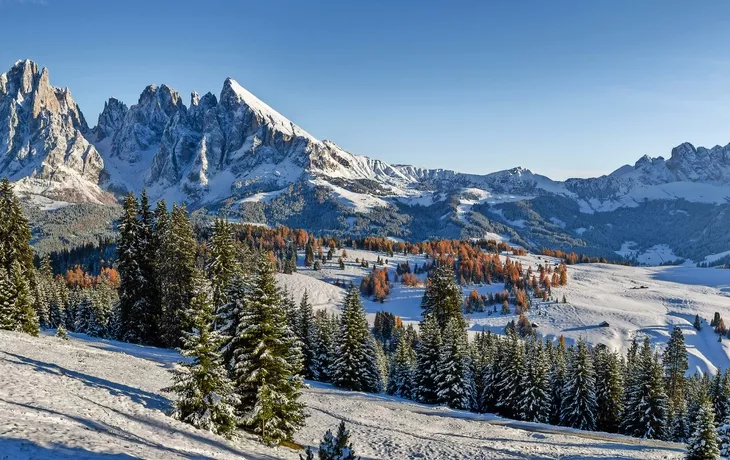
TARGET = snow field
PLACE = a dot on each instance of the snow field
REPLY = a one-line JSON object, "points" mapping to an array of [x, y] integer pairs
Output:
{"points": [[96, 399]]}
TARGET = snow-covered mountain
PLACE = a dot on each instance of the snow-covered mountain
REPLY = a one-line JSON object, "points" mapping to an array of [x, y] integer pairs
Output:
{"points": [[43, 143], [235, 154]]}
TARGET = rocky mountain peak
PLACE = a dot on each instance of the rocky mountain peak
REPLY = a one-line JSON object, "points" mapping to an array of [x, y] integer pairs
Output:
{"points": [[42, 138]]}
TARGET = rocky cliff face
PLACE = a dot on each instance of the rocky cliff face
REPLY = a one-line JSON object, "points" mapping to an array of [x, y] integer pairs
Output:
{"points": [[42, 138]]}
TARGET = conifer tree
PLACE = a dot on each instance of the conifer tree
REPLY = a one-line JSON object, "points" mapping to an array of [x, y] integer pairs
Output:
{"points": [[177, 275], [442, 297], [675, 366], [266, 361], [609, 390], [509, 379], [646, 413], [534, 402], [323, 346], [306, 333], [702, 444], [355, 366], [427, 361], [455, 383], [400, 377], [8, 313], [206, 397], [27, 319], [61, 332], [579, 392], [557, 381], [679, 429], [222, 264], [335, 447], [723, 437], [130, 304], [147, 283]]}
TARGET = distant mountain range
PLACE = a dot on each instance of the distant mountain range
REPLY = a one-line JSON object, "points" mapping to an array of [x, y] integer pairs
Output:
{"points": [[235, 155]]}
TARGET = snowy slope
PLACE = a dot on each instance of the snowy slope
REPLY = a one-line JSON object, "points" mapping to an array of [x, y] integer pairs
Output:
{"points": [[93, 399], [636, 301]]}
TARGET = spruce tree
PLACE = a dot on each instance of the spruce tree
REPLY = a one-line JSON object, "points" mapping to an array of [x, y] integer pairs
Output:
{"points": [[323, 346], [222, 264], [579, 392], [442, 297], [509, 380], [400, 377], [8, 313], [130, 305], [335, 447], [454, 380], [306, 333], [206, 397], [675, 366], [266, 361], [723, 437], [147, 283], [557, 381], [177, 275], [679, 429], [646, 413], [703, 444], [355, 366], [609, 390], [534, 402], [427, 361]]}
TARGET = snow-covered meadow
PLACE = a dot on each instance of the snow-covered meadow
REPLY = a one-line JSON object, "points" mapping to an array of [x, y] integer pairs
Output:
{"points": [[633, 300], [94, 399]]}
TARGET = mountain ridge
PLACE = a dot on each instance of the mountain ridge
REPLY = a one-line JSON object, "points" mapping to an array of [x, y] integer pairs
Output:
{"points": [[233, 153]]}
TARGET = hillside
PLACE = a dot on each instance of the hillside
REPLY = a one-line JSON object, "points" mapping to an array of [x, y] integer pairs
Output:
{"points": [[95, 399]]}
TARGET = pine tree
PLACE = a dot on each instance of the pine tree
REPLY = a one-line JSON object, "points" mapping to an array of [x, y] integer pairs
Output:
{"points": [[697, 323], [557, 381], [579, 392], [323, 346], [400, 377], [679, 430], [723, 437], [336, 447], [646, 411], [702, 444], [228, 315], [27, 319], [177, 275], [206, 398], [675, 366], [509, 379], [222, 264], [609, 389], [8, 313], [61, 332], [534, 402], [148, 286], [266, 361], [354, 366], [427, 361], [131, 328], [442, 297], [306, 333], [454, 381]]}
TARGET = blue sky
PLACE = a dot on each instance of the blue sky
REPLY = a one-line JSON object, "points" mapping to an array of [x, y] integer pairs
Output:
{"points": [[565, 88]]}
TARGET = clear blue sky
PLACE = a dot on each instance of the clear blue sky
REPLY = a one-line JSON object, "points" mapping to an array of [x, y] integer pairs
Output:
{"points": [[565, 88]]}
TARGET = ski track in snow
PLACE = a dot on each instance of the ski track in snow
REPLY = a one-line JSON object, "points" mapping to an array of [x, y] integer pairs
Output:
{"points": [[95, 399]]}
